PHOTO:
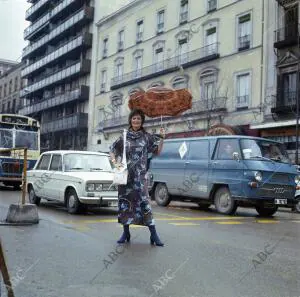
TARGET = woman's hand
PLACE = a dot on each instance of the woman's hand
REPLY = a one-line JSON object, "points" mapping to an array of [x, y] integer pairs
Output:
{"points": [[162, 133]]}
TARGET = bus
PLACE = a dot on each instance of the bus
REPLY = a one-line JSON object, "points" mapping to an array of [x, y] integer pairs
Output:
{"points": [[17, 131]]}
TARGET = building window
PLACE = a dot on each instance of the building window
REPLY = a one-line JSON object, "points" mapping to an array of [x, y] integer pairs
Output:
{"points": [[121, 40], [211, 45], [104, 51], [103, 81], [158, 56], [244, 32], [116, 101], [211, 5], [160, 21], [182, 51], [139, 31], [134, 90], [184, 8], [16, 84], [243, 90], [208, 84], [289, 86], [156, 84], [137, 63], [119, 67], [180, 82]]}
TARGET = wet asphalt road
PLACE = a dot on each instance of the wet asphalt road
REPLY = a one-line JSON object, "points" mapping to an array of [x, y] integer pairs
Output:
{"points": [[205, 254]]}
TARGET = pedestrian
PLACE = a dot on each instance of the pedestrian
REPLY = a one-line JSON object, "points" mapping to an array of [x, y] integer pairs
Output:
{"points": [[133, 198]]}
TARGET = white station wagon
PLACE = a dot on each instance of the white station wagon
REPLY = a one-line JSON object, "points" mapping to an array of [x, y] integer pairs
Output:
{"points": [[75, 178]]}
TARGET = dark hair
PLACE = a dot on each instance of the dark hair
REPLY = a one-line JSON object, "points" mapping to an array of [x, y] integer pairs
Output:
{"points": [[135, 112]]}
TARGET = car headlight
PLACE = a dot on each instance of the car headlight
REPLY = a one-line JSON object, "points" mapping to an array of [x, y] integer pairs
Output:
{"points": [[90, 187], [258, 175], [98, 187], [297, 179]]}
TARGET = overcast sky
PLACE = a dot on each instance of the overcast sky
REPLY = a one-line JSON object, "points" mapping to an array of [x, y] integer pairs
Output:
{"points": [[12, 25]]}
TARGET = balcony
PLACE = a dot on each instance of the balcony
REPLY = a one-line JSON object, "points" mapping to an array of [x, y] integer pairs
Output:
{"points": [[77, 19], [199, 107], [37, 26], [286, 36], [69, 122], [285, 3], [201, 55], [32, 11], [183, 17], [285, 102], [59, 10], [212, 5], [84, 41], [81, 94], [244, 42], [75, 69]]}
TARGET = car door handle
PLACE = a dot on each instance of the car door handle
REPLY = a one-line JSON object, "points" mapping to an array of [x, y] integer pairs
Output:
{"points": [[187, 162], [215, 163]]}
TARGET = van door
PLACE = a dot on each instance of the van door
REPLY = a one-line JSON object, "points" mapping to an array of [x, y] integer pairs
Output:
{"points": [[224, 169], [196, 170], [169, 166]]}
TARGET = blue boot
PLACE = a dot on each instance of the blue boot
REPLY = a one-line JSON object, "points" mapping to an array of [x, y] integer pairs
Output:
{"points": [[154, 237], [126, 234]]}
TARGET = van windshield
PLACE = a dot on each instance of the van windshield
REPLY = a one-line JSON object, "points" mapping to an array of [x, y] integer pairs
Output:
{"points": [[262, 149]]}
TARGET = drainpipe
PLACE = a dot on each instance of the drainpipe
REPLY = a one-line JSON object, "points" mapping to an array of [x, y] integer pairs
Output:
{"points": [[262, 57]]}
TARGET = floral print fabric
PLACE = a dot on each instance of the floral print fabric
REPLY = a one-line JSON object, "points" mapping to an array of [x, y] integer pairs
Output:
{"points": [[133, 198]]}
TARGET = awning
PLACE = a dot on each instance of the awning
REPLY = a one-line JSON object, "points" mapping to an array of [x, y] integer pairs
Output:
{"points": [[274, 124]]}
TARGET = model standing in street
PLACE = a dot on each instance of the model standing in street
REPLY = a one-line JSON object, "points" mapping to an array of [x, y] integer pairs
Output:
{"points": [[133, 198]]}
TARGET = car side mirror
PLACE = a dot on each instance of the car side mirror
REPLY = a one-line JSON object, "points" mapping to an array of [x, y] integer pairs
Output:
{"points": [[236, 156]]}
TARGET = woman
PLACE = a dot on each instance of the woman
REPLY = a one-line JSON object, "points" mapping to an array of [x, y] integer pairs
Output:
{"points": [[134, 206]]}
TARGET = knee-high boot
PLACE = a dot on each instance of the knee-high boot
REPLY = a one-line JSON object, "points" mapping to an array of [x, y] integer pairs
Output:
{"points": [[154, 237], [126, 234]]}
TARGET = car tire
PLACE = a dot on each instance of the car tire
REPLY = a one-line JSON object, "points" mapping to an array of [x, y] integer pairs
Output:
{"points": [[32, 197], [161, 195], [266, 211], [73, 204], [224, 202]]}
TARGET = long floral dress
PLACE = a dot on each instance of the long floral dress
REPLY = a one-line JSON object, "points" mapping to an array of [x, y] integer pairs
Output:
{"points": [[133, 198]]}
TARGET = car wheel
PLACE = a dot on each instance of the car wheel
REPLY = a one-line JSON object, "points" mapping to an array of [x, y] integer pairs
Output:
{"points": [[266, 211], [73, 203], [223, 201], [161, 195], [33, 199]]}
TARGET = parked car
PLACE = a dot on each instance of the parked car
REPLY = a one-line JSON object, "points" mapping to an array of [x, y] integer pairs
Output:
{"points": [[75, 178], [227, 171]]}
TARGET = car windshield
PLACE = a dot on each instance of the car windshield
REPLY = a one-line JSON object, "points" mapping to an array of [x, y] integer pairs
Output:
{"points": [[27, 139], [263, 149], [87, 162]]}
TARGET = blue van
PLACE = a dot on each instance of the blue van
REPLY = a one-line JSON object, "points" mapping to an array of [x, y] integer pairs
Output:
{"points": [[227, 171]]}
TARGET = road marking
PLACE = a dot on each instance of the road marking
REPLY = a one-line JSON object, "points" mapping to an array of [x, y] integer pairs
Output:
{"points": [[82, 228], [266, 221], [296, 222], [229, 223], [184, 224]]}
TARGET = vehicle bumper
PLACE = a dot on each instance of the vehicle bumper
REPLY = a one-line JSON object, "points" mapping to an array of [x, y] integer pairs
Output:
{"points": [[101, 199], [254, 200]]}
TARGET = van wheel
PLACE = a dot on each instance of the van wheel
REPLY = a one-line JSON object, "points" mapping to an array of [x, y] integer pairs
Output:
{"points": [[266, 211], [224, 202], [33, 199], [161, 195], [73, 204]]}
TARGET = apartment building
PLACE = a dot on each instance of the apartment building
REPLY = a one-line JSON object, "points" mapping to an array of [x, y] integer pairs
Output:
{"points": [[282, 74], [5, 65], [10, 85], [57, 67], [213, 47]]}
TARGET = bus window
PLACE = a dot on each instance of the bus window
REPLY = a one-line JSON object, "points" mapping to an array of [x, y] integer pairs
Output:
{"points": [[26, 139], [6, 138]]}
